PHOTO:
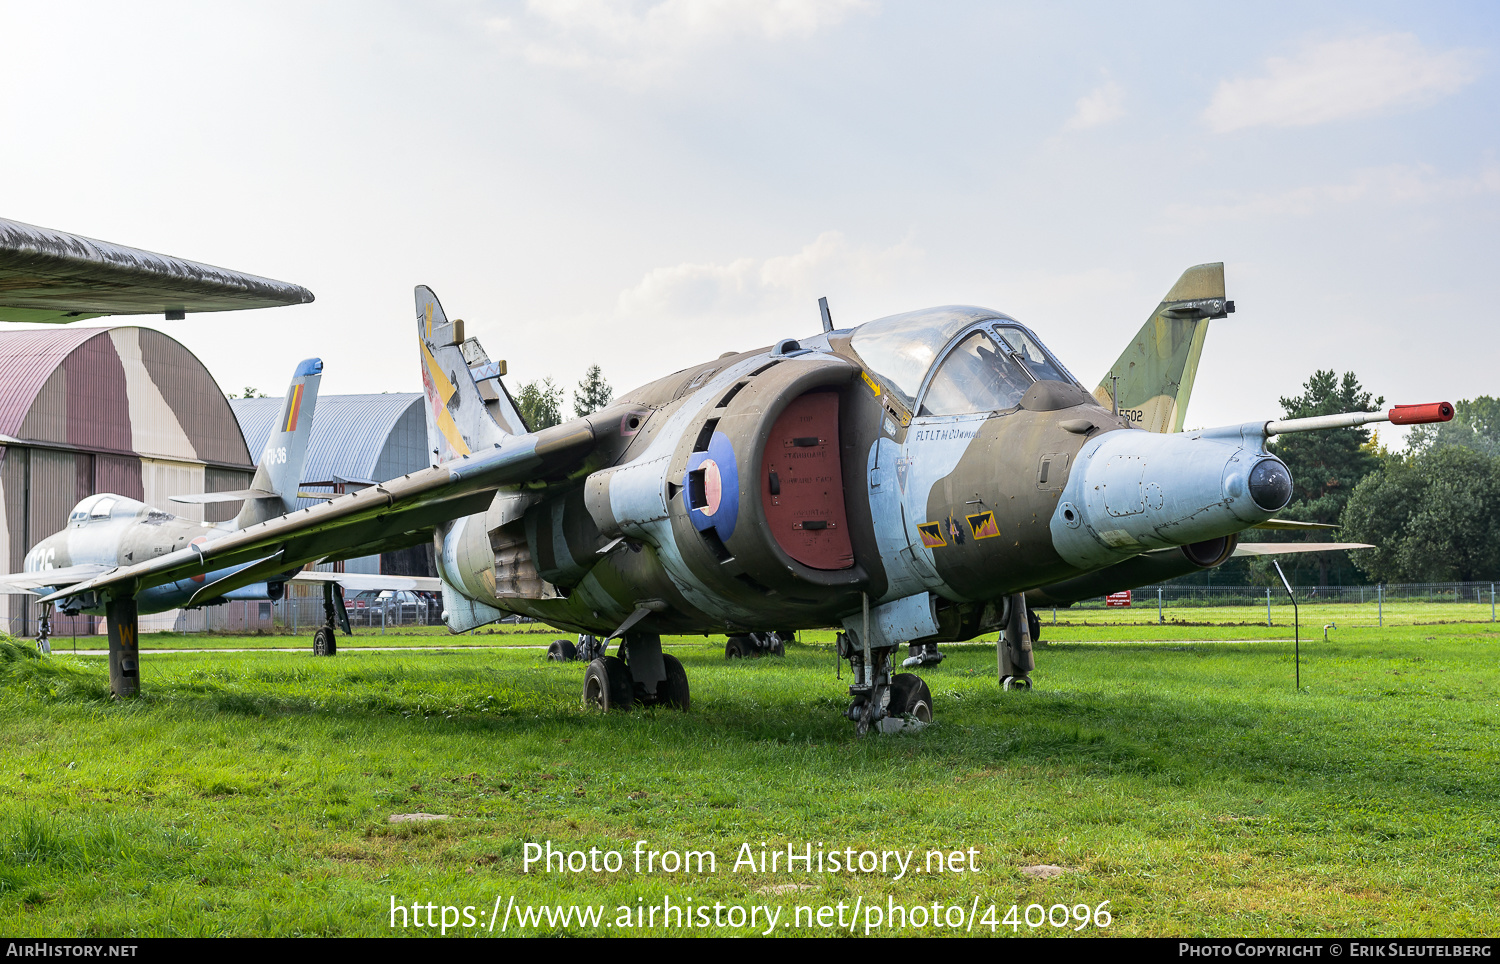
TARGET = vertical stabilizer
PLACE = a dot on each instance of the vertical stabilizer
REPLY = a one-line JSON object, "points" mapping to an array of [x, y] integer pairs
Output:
{"points": [[1157, 369], [458, 423], [285, 454]]}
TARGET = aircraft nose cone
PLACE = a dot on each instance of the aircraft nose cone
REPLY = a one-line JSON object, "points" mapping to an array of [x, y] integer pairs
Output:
{"points": [[1270, 484]]}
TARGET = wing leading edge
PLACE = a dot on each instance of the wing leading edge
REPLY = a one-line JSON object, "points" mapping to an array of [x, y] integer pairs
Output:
{"points": [[53, 276]]}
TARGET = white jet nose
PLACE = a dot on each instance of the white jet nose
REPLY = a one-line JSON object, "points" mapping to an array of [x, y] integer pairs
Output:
{"points": [[1131, 491]]}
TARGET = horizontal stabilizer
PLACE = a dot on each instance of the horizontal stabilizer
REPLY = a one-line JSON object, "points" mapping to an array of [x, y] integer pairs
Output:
{"points": [[1291, 524], [45, 579], [236, 495], [363, 582], [1281, 548], [52, 276]]}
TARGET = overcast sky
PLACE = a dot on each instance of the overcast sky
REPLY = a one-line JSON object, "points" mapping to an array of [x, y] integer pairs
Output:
{"points": [[647, 185]]}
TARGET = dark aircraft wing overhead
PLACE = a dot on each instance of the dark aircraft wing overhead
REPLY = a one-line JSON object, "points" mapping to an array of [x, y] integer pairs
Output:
{"points": [[52, 276], [375, 516]]}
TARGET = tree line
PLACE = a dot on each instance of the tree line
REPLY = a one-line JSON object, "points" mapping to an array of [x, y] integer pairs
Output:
{"points": [[540, 402]]}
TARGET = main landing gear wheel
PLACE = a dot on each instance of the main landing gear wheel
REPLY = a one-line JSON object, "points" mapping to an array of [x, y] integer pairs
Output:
{"points": [[737, 647], [673, 691], [910, 697], [325, 643], [1034, 625], [1016, 683], [607, 684], [561, 651]]}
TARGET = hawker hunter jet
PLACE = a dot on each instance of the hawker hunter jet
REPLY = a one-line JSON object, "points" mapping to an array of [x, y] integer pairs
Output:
{"points": [[909, 480]]}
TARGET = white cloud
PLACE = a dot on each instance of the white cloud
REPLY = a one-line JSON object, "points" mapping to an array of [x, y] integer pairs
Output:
{"points": [[1341, 78], [1099, 106], [757, 286], [1396, 183], [641, 40]]}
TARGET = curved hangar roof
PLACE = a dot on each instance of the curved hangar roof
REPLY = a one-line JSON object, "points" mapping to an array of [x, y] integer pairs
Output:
{"points": [[357, 439], [128, 391]]}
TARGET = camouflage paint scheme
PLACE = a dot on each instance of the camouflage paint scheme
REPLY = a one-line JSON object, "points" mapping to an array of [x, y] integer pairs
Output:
{"points": [[866, 477], [588, 549]]}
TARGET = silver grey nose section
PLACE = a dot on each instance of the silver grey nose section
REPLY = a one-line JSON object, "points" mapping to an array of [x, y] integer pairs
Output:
{"points": [[1133, 491]]}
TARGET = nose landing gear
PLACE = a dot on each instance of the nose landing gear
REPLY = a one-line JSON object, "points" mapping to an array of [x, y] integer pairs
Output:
{"points": [[325, 640], [882, 701]]}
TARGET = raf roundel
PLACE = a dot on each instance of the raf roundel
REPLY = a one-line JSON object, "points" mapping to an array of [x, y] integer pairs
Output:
{"points": [[712, 487]]}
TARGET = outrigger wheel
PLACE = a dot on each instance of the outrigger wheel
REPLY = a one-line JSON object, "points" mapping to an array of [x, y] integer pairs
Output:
{"points": [[747, 645], [325, 640]]}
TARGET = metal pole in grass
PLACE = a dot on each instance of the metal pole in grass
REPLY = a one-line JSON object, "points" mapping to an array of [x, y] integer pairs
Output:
{"points": [[1296, 621], [1380, 603], [1492, 602], [1268, 602], [1158, 606]]}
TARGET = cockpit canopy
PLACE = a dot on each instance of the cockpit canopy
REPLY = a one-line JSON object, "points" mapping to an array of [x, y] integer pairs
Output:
{"points": [[97, 508], [956, 360]]}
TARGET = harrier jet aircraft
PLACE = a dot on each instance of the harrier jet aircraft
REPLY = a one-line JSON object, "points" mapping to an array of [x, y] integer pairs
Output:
{"points": [[910, 479]]}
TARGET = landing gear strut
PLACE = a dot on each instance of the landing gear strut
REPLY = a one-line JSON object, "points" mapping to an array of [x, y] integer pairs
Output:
{"points": [[922, 654], [325, 640], [882, 701], [642, 673], [747, 645], [44, 630], [1013, 657]]}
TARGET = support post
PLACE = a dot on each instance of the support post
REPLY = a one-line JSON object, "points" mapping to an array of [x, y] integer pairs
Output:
{"points": [[1159, 620], [1380, 604], [123, 620], [1268, 605]]}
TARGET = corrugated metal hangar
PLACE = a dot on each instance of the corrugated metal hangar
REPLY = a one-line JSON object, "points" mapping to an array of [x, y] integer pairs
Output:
{"points": [[126, 410], [356, 440]]}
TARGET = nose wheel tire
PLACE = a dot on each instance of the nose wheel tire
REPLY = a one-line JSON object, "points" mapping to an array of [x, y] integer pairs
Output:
{"points": [[561, 651], [1016, 683], [607, 684], [910, 697], [324, 642]]}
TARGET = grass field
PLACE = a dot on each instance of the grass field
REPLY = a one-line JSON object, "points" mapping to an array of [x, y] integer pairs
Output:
{"points": [[1181, 778]]}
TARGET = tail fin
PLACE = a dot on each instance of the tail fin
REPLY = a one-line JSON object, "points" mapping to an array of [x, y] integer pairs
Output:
{"points": [[458, 422], [281, 464], [1157, 369]]}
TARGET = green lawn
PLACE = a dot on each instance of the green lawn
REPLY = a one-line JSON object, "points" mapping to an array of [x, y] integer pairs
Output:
{"points": [[1186, 783]]}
